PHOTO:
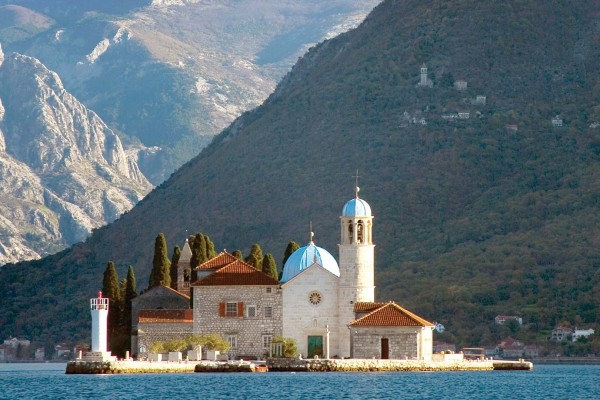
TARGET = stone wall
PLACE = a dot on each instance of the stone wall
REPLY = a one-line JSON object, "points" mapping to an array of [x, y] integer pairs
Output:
{"points": [[157, 298], [247, 330], [149, 333], [360, 365], [404, 342]]}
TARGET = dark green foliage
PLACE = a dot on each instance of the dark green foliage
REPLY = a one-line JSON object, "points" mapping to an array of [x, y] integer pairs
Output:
{"points": [[174, 266], [210, 248], [255, 258], [161, 266], [238, 254], [472, 219], [291, 247], [130, 294], [269, 267], [110, 283], [198, 246]]}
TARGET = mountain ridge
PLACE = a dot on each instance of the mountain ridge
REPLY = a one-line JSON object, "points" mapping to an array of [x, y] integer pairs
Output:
{"points": [[494, 214]]}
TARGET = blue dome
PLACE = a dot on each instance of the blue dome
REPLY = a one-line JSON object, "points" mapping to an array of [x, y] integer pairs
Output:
{"points": [[306, 256], [356, 208]]}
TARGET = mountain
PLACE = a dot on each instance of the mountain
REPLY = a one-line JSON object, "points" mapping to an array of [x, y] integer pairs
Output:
{"points": [[63, 172], [172, 74], [490, 211]]}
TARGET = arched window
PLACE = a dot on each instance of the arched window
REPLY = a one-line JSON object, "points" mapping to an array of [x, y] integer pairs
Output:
{"points": [[360, 232], [350, 232]]}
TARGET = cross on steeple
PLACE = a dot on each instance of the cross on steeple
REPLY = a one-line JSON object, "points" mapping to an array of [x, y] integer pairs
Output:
{"points": [[311, 234], [356, 188]]}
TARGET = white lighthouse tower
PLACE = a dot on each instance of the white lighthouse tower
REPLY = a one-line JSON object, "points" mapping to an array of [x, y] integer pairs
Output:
{"points": [[357, 264], [99, 310]]}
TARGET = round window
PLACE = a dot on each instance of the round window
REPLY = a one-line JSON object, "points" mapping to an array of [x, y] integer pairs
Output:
{"points": [[314, 297]]}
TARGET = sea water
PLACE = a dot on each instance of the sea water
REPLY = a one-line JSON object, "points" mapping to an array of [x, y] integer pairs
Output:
{"points": [[49, 381]]}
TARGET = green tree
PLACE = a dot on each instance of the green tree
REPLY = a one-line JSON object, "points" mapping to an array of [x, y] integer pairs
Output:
{"points": [[255, 257], [198, 247], [238, 254], [269, 267], [175, 266], [289, 346], [161, 266], [210, 248], [130, 294], [291, 248], [112, 290]]}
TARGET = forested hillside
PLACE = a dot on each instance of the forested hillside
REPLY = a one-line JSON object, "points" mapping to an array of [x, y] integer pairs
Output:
{"points": [[494, 214]]}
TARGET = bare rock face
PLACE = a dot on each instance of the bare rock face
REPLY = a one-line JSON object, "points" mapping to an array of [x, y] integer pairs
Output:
{"points": [[63, 172]]}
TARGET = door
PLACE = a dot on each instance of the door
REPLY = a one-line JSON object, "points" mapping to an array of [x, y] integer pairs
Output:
{"points": [[385, 348], [315, 346]]}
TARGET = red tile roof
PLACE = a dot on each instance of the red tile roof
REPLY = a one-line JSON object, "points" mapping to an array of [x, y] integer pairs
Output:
{"points": [[366, 306], [236, 273], [166, 316], [390, 314], [219, 261]]}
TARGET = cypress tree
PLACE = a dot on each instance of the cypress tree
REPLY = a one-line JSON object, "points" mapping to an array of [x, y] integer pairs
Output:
{"points": [[254, 261], [175, 266], [130, 294], [210, 248], [198, 247], [112, 290], [238, 254], [161, 266], [269, 267], [291, 247], [257, 252]]}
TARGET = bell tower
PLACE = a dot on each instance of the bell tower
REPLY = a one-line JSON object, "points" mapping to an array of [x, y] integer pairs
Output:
{"points": [[357, 263]]}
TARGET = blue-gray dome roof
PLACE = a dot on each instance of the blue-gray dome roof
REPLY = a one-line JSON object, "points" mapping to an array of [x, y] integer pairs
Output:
{"points": [[306, 256], [356, 208]]}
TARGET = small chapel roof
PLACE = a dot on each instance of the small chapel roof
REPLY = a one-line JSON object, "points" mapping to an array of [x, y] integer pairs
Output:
{"points": [[306, 256], [236, 273], [367, 306], [221, 260], [390, 314]]}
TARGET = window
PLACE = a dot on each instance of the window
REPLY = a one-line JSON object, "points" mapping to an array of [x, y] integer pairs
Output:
{"points": [[232, 339], [251, 311], [231, 310], [266, 341], [268, 312], [269, 290]]}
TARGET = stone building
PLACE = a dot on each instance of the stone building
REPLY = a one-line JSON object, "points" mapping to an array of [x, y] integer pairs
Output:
{"points": [[241, 304], [158, 298], [162, 325], [388, 331]]}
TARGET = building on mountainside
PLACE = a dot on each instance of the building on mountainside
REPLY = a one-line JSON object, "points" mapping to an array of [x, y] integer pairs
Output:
{"points": [[582, 333], [561, 334], [557, 121], [502, 319], [328, 309], [460, 84], [424, 79]]}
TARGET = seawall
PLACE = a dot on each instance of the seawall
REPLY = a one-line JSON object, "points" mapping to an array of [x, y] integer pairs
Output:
{"points": [[291, 365]]}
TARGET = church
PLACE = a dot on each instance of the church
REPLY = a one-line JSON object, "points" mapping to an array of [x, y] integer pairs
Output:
{"points": [[327, 307]]}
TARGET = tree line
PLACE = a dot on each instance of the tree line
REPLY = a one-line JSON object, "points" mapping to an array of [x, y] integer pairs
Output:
{"points": [[164, 272]]}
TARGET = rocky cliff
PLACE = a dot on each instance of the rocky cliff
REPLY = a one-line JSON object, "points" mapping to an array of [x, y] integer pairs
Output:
{"points": [[63, 172]]}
